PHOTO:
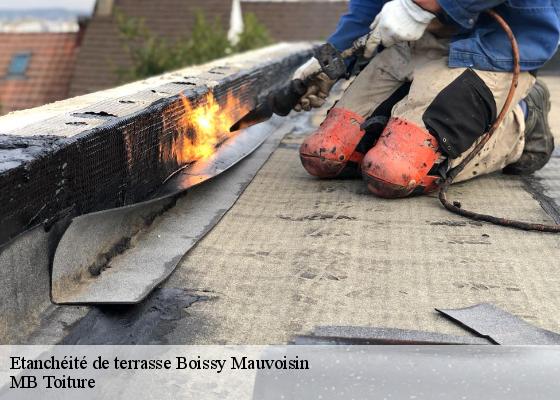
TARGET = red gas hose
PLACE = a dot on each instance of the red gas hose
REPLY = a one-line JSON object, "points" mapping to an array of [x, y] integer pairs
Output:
{"points": [[455, 207]]}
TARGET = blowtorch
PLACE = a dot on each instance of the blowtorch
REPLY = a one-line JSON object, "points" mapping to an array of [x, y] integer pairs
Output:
{"points": [[284, 99]]}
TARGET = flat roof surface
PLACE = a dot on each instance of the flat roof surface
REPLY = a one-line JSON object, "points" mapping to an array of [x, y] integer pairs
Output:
{"points": [[296, 252]]}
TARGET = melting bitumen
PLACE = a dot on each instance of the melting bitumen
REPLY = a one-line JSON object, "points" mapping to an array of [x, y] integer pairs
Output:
{"points": [[145, 323]]}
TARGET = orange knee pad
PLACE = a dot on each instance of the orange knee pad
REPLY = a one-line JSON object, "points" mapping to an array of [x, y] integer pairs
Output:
{"points": [[400, 162], [331, 150]]}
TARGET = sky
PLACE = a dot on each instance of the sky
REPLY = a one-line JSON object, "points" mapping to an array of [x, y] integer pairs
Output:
{"points": [[80, 5]]}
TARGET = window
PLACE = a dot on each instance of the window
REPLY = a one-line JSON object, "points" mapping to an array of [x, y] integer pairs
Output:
{"points": [[18, 65]]}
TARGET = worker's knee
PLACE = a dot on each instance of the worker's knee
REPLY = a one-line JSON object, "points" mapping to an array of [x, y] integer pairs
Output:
{"points": [[400, 163], [330, 151]]}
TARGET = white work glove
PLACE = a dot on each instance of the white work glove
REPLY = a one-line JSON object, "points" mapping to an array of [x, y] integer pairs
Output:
{"points": [[398, 21], [318, 87]]}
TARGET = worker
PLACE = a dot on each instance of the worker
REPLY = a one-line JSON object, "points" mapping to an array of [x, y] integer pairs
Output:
{"points": [[440, 76]]}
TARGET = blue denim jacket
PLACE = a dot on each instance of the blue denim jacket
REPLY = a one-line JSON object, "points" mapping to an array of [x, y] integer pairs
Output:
{"points": [[480, 43]]}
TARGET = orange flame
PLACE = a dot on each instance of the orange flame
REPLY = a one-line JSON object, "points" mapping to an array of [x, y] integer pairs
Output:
{"points": [[203, 127]]}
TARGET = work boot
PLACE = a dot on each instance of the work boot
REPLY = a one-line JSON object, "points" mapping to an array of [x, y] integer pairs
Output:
{"points": [[539, 141]]}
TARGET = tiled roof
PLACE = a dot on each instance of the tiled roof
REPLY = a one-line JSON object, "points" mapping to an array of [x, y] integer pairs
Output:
{"points": [[48, 74], [101, 53]]}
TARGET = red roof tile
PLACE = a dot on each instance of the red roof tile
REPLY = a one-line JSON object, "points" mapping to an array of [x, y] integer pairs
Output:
{"points": [[48, 73]]}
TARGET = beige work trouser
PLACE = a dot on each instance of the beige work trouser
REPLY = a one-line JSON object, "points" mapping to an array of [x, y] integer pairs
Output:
{"points": [[424, 63]]}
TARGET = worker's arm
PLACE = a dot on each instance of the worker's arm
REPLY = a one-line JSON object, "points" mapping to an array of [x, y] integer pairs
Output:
{"points": [[407, 20], [355, 23], [464, 12]]}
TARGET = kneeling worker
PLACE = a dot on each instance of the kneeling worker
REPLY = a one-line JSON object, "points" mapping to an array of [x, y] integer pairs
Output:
{"points": [[423, 102]]}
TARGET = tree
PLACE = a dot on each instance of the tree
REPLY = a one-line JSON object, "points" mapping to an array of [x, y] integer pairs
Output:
{"points": [[254, 34], [153, 55], [149, 54]]}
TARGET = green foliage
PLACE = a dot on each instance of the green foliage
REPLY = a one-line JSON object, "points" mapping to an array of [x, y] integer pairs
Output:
{"points": [[152, 55], [207, 41], [254, 34]]}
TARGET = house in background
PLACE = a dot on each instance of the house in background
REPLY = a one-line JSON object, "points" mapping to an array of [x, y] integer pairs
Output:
{"points": [[37, 59], [51, 55], [101, 54]]}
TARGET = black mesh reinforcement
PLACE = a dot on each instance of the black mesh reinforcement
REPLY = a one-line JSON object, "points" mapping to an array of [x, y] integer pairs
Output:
{"points": [[118, 163]]}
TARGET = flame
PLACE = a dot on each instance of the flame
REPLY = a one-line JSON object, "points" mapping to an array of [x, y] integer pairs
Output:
{"points": [[205, 125]]}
